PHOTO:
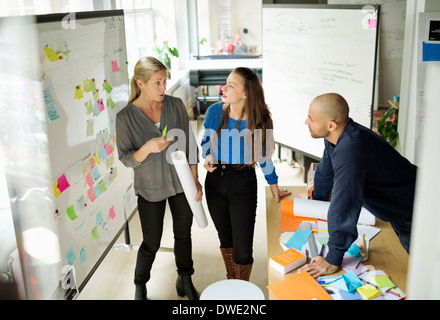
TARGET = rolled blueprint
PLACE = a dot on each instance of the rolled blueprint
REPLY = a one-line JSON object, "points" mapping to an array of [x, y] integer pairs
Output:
{"points": [[189, 187], [318, 209]]}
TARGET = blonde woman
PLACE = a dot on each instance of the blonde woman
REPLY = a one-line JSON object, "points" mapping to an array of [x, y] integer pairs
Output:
{"points": [[142, 146]]}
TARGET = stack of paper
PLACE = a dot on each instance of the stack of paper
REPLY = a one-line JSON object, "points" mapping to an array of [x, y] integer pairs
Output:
{"points": [[287, 260]]}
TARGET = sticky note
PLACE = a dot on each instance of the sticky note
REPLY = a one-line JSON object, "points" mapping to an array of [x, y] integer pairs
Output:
{"points": [[164, 132], [299, 238], [70, 256], [50, 54], [97, 190], [92, 85], [86, 85], [81, 203], [115, 67], [107, 87], [82, 255], [354, 250], [108, 148], [78, 92], [368, 292], [111, 103], [71, 213], [48, 98], [90, 127], [62, 183], [96, 110], [102, 186], [56, 190], [95, 234], [372, 23], [91, 194], [52, 113], [101, 105], [382, 281], [96, 158], [89, 106], [112, 213], [352, 281], [96, 96], [99, 218]]}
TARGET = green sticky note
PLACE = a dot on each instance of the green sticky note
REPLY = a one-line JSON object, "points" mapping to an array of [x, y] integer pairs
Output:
{"points": [[164, 132], [382, 281], [95, 235], [71, 213]]}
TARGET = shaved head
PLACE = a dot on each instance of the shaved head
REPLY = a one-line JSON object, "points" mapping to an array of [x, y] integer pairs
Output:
{"points": [[332, 107]]}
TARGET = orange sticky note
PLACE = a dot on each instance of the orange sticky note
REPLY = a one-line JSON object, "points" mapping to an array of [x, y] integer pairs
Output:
{"points": [[300, 286]]}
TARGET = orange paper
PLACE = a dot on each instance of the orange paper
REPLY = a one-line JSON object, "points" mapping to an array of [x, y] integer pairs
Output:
{"points": [[300, 286], [288, 221]]}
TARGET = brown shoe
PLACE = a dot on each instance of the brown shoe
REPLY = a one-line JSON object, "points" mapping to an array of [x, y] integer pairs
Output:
{"points": [[228, 258], [243, 272]]}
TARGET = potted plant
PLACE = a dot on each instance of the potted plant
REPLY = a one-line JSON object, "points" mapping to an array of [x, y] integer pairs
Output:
{"points": [[387, 126], [164, 54]]}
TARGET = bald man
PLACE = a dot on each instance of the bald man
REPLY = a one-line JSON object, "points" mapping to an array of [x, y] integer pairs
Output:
{"points": [[362, 169]]}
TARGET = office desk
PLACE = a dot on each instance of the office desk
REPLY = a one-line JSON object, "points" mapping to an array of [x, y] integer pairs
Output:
{"points": [[385, 253]]}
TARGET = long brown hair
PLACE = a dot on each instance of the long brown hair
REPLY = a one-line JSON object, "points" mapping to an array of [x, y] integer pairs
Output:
{"points": [[257, 111], [143, 70]]}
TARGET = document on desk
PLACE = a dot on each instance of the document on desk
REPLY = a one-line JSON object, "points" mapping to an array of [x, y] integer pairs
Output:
{"points": [[318, 209]]}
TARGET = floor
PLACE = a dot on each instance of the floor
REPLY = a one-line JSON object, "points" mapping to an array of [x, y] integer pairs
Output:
{"points": [[113, 280]]}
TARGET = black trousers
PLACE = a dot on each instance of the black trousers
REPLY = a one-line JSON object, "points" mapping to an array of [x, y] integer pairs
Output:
{"points": [[151, 216], [231, 195]]}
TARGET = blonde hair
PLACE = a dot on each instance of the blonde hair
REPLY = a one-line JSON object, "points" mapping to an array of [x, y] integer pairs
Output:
{"points": [[143, 70]]}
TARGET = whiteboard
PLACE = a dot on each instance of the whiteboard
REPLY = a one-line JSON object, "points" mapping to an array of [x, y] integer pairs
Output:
{"points": [[310, 50], [84, 86]]}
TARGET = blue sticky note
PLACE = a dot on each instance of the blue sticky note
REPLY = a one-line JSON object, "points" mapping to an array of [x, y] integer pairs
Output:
{"points": [[352, 280], [299, 239], [70, 256], [82, 255], [345, 295], [354, 250]]}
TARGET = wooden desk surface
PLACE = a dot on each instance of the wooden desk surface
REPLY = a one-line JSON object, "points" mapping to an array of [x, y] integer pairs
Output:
{"points": [[386, 253]]}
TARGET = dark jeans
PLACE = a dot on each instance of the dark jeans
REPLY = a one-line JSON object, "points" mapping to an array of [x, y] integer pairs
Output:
{"points": [[231, 196], [403, 231], [151, 215]]}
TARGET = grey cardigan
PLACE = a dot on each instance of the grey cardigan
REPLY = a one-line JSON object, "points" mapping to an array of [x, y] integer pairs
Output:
{"points": [[155, 178]]}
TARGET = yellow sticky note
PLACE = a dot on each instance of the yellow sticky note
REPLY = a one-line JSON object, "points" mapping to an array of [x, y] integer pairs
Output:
{"points": [[107, 87], [368, 291], [95, 234], [56, 190], [382, 281], [50, 54], [78, 92]]}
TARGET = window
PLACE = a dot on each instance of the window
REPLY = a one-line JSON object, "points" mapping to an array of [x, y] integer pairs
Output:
{"points": [[229, 28]]}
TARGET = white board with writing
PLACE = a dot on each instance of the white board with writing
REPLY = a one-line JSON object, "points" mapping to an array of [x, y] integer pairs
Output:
{"points": [[310, 50], [85, 83]]}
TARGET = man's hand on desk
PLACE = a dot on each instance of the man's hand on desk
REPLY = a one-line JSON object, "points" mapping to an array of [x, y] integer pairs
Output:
{"points": [[318, 266]]}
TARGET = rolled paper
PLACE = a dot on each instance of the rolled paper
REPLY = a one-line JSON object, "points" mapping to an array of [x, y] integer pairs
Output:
{"points": [[318, 209], [189, 187]]}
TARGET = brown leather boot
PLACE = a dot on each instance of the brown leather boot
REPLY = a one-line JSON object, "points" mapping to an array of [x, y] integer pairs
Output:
{"points": [[228, 258], [243, 272]]}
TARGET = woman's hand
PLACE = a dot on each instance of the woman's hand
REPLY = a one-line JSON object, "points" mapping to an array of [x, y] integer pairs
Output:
{"points": [[209, 163], [154, 145], [199, 194], [277, 192]]}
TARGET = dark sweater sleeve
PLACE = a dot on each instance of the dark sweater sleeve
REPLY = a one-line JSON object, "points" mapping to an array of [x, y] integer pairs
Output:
{"points": [[346, 201], [323, 181]]}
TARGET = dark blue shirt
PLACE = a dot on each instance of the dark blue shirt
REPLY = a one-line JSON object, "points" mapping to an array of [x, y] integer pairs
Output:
{"points": [[363, 169]]}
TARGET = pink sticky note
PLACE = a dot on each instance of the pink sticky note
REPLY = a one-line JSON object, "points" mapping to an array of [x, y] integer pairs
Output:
{"points": [[372, 23], [89, 179], [101, 105], [112, 213], [91, 194], [108, 149], [62, 183], [115, 66]]}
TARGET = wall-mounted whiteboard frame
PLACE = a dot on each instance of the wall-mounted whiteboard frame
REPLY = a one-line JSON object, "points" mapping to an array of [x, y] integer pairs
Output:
{"points": [[90, 184], [309, 50]]}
